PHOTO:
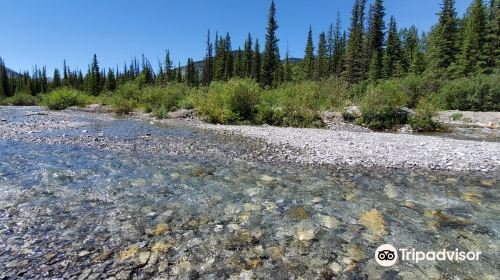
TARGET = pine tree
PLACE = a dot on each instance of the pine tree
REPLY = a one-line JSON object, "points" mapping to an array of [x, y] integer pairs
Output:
{"points": [[110, 85], [94, 77], [208, 62], [65, 81], [178, 74], [443, 41], [229, 59], [191, 73], [472, 58], [375, 40], [44, 80], [56, 80], [247, 57], [338, 49], [287, 69], [271, 57], [354, 58], [256, 62], [418, 65], [308, 62], [4, 80], [238, 67], [410, 47], [169, 73], [492, 43], [392, 55], [321, 70], [220, 58], [147, 71]]}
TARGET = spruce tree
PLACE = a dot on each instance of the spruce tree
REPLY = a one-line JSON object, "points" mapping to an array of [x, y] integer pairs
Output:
{"points": [[256, 62], [338, 49], [247, 57], [443, 40], [229, 59], [110, 85], [4, 80], [410, 47], [178, 74], [220, 59], [44, 80], [94, 77], [169, 73], [321, 70], [56, 80], [287, 69], [65, 81], [354, 59], [238, 67], [208, 62], [392, 55], [308, 62], [271, 57], [473, 58], [492, 43], [375, 40]]}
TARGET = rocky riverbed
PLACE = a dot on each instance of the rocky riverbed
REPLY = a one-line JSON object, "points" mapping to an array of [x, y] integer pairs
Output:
{"points": [[92, 196]]}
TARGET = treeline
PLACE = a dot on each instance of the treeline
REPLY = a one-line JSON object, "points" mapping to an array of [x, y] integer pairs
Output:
{"points": [[372, 50]]}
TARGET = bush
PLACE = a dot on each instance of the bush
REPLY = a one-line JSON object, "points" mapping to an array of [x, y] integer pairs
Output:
{"points": [[423, 121], [478, 93], [381, 106], [229, 102], [63, 98], [126, 97], [162, 99], [456, 116], [20, 99]]}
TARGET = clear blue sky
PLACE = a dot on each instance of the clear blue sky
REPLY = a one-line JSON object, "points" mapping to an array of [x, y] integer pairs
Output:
{"points": [[46, 32]]}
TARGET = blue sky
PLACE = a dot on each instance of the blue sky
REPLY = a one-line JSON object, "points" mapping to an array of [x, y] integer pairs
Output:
{"points": [[46, 32]]}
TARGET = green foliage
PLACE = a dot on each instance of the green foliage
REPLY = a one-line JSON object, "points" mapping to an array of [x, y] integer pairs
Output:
{"points": [[20, 99], [229, 102], [456, 116], [423, 120], [270, 58], [477, 93], [63, 98], [162, 99], [381, 106]]}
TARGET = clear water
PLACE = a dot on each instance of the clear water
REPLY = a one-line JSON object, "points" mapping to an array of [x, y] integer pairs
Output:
{"points": [[67, 210]]}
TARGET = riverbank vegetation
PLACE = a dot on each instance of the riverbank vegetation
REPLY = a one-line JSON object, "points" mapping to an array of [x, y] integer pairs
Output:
{"points": [[384, 71]]}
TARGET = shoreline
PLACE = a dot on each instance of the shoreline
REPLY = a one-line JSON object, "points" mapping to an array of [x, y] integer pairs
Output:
{"points": [[304, 146]]}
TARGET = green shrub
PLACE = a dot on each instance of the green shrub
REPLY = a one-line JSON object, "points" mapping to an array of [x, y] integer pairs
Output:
{"points": [[289, 117], [63, 98], [423, 121], [20, 99], [456, 116], [477, 93], [381, 106], [229, 102]]}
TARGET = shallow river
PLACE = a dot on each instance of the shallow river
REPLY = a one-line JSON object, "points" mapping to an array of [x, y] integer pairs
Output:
{"points": [[74, 212]]}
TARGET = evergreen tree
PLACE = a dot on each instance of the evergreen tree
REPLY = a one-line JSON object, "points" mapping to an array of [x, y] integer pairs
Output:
{"points": [[443, 43], [256, 62], [238, 67], [220, 59], [169, 73], [473, 58], [392, 55], [321, 70], [492, 40], [178, 74], [308, 62], [4, 80], [410, 47], [229, 59], [65, 81], [247, 57], [354, 59], [56, 80], [375, 40], [191, 73], [417, 65], [110, 81], [287, 69], [208, 62], [338, 49], [44, 81], [271, 57], [147, 71], [94, 77]]}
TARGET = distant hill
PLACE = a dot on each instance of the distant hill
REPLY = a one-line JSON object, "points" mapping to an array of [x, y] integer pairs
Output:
{"points": [[12, 73]]}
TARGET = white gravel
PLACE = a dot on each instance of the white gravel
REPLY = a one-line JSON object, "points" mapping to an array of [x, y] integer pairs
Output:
{"points": [[378, 149]]}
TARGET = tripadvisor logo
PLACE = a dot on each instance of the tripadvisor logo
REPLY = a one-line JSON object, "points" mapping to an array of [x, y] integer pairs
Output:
{"points": [[387, 255]]}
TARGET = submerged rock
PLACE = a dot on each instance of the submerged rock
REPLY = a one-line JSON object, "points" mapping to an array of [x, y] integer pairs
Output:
{"points": [[374, 221], [297, 213]]}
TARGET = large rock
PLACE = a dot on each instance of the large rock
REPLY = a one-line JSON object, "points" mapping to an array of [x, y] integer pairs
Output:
{"points": [[354, 111], [182, 114]]}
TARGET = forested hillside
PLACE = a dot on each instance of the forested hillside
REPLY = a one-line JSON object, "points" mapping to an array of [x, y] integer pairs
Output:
{"points": [[370, 62]]}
